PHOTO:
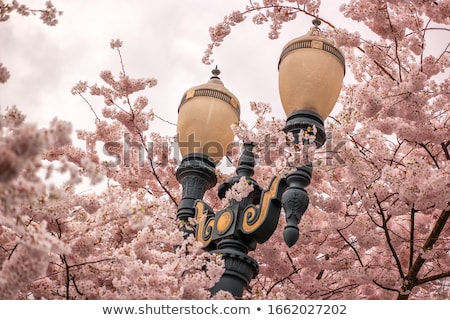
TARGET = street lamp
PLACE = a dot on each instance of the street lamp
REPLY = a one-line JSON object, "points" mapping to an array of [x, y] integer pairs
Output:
{"points": [[311, 71]]}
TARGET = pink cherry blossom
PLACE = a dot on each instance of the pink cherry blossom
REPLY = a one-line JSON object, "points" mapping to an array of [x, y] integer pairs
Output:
{"points": [[4, 73], [377, 224]]}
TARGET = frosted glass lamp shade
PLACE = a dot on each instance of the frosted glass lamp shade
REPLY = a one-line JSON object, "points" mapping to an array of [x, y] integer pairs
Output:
{"points": [[205, 116], [311, 72]]}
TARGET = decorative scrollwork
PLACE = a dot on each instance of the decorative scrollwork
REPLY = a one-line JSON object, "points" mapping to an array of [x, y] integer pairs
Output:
{"points": [[260, 223], [204, 218], [251, 217]]}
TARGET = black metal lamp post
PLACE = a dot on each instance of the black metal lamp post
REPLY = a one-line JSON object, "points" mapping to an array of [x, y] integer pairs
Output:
{"points": [[311, 71]]}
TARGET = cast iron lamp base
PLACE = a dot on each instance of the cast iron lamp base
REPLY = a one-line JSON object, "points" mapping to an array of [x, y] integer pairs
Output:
{"points": [[237, 229]]}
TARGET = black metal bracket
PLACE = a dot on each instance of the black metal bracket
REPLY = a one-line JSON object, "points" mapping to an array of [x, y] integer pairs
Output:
{"points": [[305, 120], [237, 229]]}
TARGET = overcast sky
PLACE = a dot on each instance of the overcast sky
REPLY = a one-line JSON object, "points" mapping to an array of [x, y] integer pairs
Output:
{"points": [[162, 39]]}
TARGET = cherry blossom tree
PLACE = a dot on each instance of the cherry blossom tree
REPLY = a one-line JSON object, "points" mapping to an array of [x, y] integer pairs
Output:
{"points": [[59, 243], [377, 225]]}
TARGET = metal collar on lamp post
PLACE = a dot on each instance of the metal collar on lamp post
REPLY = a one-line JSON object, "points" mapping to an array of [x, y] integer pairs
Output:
{"points": [[311, 71], [205, 116]]}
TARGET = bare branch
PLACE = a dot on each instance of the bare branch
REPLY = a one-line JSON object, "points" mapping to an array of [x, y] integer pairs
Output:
{"points": [[352, 247], [388, 237], [433, 278], [411, 277]]}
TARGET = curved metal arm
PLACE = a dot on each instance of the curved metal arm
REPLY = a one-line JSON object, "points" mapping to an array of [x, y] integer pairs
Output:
{"points": [[253, 224], [204, 217], [236, 230], [259, 223]]}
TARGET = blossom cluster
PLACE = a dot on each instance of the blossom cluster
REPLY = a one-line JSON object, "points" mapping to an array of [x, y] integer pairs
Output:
{"points": [[238, 191], [277, 12], [220, 31], [48, 15], [4, 73]]}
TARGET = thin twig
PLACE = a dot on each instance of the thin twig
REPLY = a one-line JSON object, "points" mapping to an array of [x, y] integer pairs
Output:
{"points": [[352, 247], [90, 106], [388, 237]]}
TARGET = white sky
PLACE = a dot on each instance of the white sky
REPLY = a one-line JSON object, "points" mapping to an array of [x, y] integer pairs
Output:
{"points": [[162, 39]]}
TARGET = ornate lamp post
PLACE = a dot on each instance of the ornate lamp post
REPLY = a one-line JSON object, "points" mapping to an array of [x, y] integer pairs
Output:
{"points": [[311, 71]]}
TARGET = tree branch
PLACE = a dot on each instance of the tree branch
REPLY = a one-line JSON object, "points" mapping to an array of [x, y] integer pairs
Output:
{"points": [[430, 154], [351, 246], [384, 287], [396, 45], [433, 278], [388, 238], [67, 276], [158, 179], [411, 236], [445, 149], [411, 277], [331, 293], [295, 270]]}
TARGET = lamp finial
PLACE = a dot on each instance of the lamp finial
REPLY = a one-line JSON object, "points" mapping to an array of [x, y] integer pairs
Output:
{"points": [[215, 72], [315, 31], [316, 22]]}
